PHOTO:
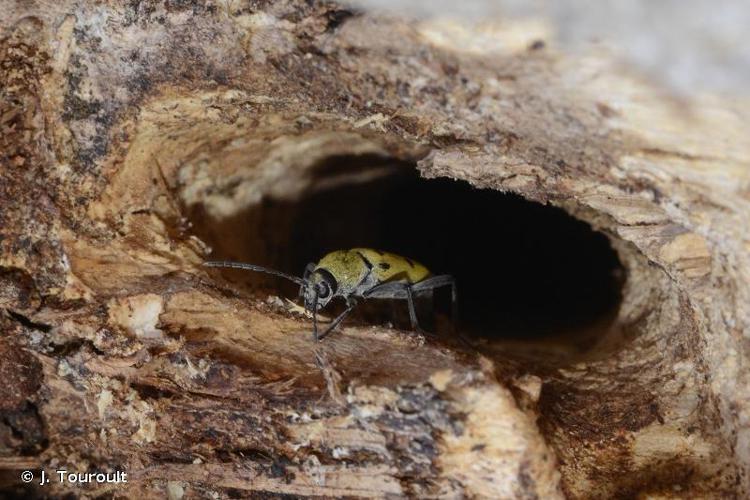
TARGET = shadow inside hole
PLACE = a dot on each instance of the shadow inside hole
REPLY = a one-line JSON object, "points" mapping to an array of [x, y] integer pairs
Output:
{"points": [[524, 270]]}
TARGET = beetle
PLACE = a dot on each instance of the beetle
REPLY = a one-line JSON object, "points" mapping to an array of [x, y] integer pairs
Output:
{"points": [[359, 274]]}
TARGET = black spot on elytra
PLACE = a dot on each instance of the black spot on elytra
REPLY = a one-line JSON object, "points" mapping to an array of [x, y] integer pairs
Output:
{"points": [[384, 266]]}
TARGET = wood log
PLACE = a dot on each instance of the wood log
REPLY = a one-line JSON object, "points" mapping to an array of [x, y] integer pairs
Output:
{"points": [[137, 137]]}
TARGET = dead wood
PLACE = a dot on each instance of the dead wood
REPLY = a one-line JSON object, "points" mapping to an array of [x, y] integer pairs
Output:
{"points": [[136, 135]]}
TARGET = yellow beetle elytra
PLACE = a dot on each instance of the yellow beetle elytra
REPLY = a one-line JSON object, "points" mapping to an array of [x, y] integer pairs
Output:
{"points": [[358, 274]]}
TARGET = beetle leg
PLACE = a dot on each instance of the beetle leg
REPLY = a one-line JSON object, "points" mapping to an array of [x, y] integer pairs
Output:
{"points": [[315, 318], [437, 282], [397, 290], [390, 290], [351, 304], [412, 311]]}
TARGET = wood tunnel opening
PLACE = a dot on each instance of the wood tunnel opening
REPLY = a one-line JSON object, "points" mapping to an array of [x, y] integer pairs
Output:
{"points": [[526, 272]]}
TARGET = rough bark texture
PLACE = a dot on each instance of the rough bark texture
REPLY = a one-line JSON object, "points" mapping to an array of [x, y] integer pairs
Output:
{"points": [[121, 124]]}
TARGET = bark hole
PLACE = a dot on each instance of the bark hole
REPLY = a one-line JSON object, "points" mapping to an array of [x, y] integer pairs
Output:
{"points": [[526, 272]]}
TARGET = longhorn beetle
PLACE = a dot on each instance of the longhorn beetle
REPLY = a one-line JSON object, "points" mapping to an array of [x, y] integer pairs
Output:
{"points": [[358, 274]]}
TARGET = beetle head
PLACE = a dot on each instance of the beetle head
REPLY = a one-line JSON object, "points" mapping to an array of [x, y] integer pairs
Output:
{"points": [[321, 283]]}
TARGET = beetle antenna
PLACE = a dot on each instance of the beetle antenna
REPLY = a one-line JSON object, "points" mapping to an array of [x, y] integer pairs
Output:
{"points": [[253, 267]]}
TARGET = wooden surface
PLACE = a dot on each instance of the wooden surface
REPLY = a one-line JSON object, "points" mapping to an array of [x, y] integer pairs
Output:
{"points": [[119, 122]]}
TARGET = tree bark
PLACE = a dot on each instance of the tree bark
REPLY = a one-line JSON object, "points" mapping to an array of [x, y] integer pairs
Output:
{"points": [[129, 129]]}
